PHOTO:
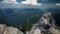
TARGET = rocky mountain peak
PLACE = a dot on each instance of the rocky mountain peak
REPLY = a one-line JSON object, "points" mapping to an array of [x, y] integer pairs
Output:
{"points": [[45, 25]]}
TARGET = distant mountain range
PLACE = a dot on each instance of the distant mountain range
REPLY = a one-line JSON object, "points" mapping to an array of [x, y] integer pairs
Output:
{"points": [[17, 13], [19, 5]]}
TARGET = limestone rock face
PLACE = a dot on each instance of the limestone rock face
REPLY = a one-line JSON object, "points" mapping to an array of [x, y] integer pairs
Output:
{"points": [[9, 30], [45, 25]]}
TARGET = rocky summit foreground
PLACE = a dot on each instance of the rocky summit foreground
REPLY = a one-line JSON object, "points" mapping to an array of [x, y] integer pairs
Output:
{"points": [[9, 30], [45, 25]]}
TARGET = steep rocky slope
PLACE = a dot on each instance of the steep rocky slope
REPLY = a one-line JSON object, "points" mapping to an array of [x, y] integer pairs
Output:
{"points": [[45, 25]]}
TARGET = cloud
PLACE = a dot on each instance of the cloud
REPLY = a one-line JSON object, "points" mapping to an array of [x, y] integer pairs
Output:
{"points": [[58, 4], [27, 2], [9, 1], [31, 2]]}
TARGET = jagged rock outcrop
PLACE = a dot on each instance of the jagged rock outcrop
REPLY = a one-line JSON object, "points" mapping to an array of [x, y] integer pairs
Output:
{"points": [[45, 25], [9, 30]]}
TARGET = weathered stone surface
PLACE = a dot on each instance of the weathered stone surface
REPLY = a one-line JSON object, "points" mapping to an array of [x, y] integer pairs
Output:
{"points": [[9, 30], [1, 29]]}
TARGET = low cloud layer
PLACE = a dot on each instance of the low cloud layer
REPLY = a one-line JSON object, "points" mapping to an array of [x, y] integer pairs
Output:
{"points": [[58, 4], [27, 2], [9, 1], [31, 2]]}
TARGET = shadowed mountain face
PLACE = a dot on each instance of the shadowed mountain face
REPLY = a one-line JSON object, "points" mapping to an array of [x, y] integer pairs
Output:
{"points": [[15, 16], [56, 14]]}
